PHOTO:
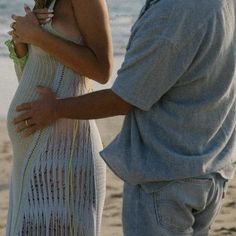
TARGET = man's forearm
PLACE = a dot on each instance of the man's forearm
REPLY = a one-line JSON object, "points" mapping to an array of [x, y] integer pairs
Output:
{"points": [[95, 105]]}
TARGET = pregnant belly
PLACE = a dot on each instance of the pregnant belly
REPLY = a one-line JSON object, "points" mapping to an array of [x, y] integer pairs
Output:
{"points": [[19, 98], [31, 78], [19, 143]]}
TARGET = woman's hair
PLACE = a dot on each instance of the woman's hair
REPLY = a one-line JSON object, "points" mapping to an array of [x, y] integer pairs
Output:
{"points": [[42, 3]]}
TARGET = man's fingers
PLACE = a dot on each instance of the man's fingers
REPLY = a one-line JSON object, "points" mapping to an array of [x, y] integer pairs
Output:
{"points": [[43, 11], [43, 90], [29, 131], [23, 107], [20, 127], [24, 125], [22, 118]]}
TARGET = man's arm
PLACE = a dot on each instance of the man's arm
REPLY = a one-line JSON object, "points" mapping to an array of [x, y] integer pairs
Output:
{"points": [[100, 104], [48, 109]]}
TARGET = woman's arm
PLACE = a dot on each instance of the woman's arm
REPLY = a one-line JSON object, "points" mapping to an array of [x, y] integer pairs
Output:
{"points": [[94, 59], [93, 21], [19, 51]]}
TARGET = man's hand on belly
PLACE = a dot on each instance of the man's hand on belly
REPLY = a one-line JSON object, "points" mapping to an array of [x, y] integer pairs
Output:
{"points": [[36, 115], [43, 112]]}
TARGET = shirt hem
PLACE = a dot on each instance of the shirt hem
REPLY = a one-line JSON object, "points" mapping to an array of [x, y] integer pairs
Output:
{"points": [[114, 170], [118, 90]]}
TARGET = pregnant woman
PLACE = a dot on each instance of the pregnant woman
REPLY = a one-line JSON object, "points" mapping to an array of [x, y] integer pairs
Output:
{"points": [[58, 179]]}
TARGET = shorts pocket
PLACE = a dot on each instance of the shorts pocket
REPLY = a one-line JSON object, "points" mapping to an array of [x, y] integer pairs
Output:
{"points": [[174, 202], [172, 216]]}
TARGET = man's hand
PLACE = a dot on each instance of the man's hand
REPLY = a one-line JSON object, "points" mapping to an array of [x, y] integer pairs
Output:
{"points": [[47, 109], [37, 115]]}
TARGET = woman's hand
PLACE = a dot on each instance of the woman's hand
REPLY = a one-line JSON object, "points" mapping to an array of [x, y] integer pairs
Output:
{"points": [[25, 28]]}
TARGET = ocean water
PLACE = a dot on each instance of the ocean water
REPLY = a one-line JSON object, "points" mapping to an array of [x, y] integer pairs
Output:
{"points": [[123, 14]]}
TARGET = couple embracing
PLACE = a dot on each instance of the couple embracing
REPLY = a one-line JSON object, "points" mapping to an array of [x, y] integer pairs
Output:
{"points": [[176, 88]]}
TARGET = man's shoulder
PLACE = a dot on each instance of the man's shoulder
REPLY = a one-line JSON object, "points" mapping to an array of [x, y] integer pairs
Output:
{"points": [[196, 12], [178, 21], [196, 5], [194, 9], [182, 19]]}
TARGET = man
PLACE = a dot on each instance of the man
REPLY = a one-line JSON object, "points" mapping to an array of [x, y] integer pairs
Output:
{"points": [[177, 90]]}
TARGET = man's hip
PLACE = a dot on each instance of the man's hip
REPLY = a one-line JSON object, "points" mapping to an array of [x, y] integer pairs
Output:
{"points": [[174, 208]]}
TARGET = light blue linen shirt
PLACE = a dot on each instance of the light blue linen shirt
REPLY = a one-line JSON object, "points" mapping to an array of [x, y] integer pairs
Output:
{"points": [[179, 74]]}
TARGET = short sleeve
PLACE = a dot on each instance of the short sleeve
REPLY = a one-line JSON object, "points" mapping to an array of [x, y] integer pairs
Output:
{"points": [[155, 60]]}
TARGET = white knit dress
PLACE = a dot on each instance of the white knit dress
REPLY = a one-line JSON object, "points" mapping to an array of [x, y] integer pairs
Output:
{"points": [[58, 178]]}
